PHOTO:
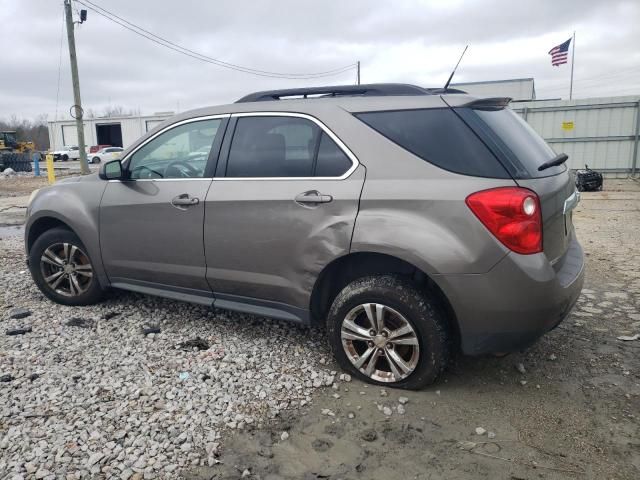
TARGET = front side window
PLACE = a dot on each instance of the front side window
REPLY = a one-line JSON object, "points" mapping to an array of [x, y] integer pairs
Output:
{"points": [[181, 152]]}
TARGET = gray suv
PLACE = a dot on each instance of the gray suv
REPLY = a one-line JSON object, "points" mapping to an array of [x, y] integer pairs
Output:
{"points": [[410, 222]]}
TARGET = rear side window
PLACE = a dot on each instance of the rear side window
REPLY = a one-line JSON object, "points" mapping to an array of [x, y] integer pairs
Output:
{"points": [[332, 161], [272, 147], [514, 140], [281, 146], [437, 136]]}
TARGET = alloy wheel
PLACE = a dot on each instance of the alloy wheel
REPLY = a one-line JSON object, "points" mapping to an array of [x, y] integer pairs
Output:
{"points": [[66, 269], [380, 342]]}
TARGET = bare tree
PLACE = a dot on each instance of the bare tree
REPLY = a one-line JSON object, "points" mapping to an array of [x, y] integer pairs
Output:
{"points": [[35, 131]]}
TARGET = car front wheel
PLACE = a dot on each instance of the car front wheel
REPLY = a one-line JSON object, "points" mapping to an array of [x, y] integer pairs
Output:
{"points": [[95, 160], [385, 331], [62, 269]]}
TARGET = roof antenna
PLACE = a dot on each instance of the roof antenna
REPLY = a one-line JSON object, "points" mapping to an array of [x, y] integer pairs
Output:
{"points": [[446, 85]]}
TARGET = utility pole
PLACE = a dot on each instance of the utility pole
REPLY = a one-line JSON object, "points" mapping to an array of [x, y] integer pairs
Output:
{"points": [[77, 107], [358, 74]]}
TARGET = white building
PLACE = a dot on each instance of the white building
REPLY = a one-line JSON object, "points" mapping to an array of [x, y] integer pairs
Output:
{"points": [[115, 131], [520, 89]]}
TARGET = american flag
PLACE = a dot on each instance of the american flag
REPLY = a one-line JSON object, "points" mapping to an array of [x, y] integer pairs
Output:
{"points": [[560, 53]]}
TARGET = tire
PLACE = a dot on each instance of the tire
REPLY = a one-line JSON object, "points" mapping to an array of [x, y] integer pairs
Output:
{"points": [[86, 290], [65, 157], [399, 297], [95, 160]]}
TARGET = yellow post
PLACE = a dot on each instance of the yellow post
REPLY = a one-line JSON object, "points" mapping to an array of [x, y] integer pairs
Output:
{"points": [[50, 173]]}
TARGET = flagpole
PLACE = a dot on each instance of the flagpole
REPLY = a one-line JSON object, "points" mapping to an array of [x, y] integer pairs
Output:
{"points": [[573, 56]]}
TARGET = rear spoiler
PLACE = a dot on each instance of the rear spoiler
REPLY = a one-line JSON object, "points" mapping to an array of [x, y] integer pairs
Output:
{"points": [[495, 103]]}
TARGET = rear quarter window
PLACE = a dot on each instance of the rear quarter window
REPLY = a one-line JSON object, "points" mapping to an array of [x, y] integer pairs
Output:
{"points": [[437, 136]]}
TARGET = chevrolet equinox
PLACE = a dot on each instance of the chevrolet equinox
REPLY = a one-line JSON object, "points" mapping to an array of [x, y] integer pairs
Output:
{"points": [[409, 221]]}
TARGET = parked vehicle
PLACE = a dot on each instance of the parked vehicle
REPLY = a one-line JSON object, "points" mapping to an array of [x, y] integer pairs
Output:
{"points": [[71, 152], [409, 221], [107, 154], [97, 148]]}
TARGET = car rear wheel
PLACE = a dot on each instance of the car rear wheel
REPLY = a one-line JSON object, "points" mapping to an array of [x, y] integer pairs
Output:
{"points": [[62, 269], [387, 332]]}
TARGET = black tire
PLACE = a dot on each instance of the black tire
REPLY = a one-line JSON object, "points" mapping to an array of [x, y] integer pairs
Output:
{"points": [[65, 157], [95, 160], [426, 319], [93, 293]]}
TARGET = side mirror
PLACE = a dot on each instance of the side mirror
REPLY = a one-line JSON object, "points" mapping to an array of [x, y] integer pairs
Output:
{"points": [[111, 170]]}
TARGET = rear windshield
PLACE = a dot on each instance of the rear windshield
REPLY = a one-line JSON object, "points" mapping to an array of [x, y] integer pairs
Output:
{"points": [[517, 145], [437, 136]]}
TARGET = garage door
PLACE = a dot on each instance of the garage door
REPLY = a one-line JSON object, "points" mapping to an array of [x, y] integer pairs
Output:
{"points": [[69, 135], [151, 124]]}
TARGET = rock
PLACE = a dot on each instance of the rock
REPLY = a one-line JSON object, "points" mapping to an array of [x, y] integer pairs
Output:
{"points": [[93, 459], [520, 368], [401, 409], [34, 376], [629, 338], [403, 400], [246, 473], [351, 415], [199, 343], [18, 313], [552, 357], [110, 315], [387, 411], [153, 329], [284, 436], [491, 435], [383, 393], [326, 411], [79, 322], [6, 378], [523, 382], [369, 435], [345, 377], [480, 431], [19, 331]]}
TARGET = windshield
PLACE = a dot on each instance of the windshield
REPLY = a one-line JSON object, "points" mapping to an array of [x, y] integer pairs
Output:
{"points": [[514, 139]]}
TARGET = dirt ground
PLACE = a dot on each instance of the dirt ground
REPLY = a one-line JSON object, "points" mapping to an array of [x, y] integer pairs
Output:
{"points": [[573, 414], [567, 408]]}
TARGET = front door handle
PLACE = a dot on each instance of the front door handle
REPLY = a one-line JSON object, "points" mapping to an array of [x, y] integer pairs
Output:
{"points": [[313, 197], [184, 200]]}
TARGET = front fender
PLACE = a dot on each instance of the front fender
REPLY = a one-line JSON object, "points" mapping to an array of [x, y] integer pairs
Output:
{"points": [[76, 204]]}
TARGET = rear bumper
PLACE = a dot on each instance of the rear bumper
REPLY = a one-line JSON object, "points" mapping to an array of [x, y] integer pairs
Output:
{"points": [[515, 303]]}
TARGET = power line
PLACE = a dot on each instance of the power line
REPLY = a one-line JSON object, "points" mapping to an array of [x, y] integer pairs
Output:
{"points": [[199, 56]]}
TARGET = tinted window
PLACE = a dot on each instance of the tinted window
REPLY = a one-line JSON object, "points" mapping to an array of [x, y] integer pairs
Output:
{"points": [[438, 136], [332, 161], [181, 152], [272, 147], [514, 138]]}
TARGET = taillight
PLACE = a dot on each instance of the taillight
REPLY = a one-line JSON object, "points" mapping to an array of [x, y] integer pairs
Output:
{"points": [[512, 214]]}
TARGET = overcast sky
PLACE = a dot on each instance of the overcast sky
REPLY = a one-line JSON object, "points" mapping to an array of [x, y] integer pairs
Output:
{"points": [[412, 41]]}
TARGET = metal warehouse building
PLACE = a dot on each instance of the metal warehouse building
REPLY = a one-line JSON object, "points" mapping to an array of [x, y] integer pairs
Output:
{"points": [[115, 131]]}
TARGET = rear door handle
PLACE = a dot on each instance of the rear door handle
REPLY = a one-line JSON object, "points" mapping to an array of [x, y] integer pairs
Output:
{"points": [[184, 200], [313, 197]]}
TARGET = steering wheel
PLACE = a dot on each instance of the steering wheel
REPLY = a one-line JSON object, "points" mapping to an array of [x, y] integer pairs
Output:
{"points": [[142, 168], [191, 171]]}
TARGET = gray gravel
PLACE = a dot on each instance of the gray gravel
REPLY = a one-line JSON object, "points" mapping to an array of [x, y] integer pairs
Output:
{"points": [[98, 397]]}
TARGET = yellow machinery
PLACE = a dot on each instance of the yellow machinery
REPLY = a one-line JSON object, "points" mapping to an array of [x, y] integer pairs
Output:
{"points": [[13, 154]]}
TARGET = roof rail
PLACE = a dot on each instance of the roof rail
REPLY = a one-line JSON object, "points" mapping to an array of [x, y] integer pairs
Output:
{"points": [[370, 90]]}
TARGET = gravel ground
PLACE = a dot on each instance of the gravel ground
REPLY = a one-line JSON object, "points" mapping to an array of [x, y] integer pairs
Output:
{"points": [[98, 397], [95, 397]]}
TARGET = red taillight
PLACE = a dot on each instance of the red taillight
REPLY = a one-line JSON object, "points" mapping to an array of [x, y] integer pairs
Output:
{"points": [[512, 214]]}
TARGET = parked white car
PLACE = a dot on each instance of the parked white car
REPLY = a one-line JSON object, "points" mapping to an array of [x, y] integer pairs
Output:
{"points": [[106, 154], [68, 152]]}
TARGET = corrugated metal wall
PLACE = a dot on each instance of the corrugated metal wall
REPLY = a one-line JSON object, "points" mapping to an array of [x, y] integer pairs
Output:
{"points": [[599, 132]]}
